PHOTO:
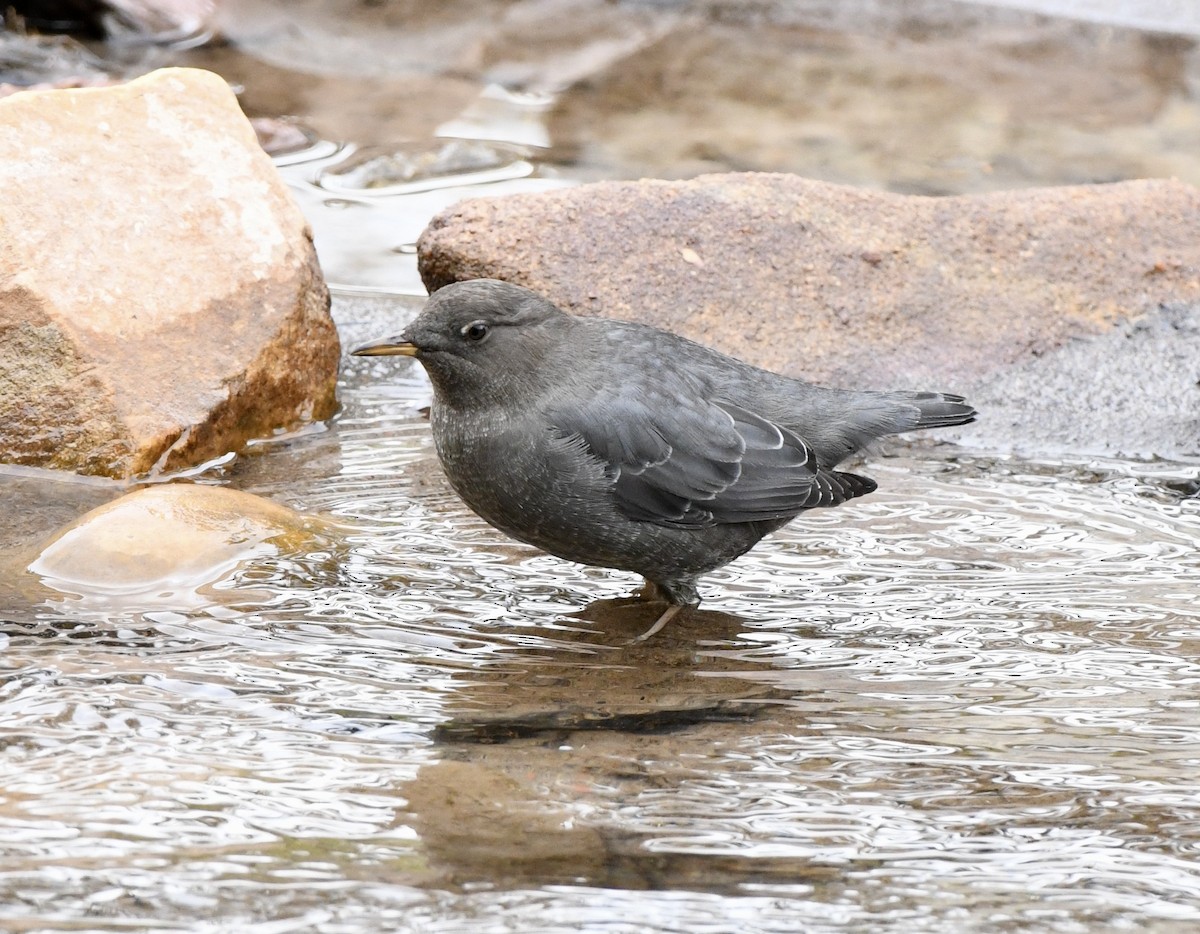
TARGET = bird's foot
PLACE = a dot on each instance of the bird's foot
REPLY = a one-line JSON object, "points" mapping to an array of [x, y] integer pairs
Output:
{"points": [[680, 595], [668, 614]]}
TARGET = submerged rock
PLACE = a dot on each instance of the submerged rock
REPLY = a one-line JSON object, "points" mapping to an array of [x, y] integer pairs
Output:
{"points": [[477, 822], [166, 543], [926, 97], [160, 299], [841, 285]]}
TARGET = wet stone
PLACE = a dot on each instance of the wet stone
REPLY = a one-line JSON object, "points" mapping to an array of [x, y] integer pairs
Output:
{"points": [[156, 21], [472, 819], [160, 299], [849, 287], [167, 542], [919, 98]]}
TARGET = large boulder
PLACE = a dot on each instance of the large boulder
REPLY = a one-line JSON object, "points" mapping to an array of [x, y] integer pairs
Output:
{"points": [[160, 299], [833, 283], [861, 288]]}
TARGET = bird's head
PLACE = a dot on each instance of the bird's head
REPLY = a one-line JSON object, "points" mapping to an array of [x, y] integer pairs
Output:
{"points": [[480, 341]]}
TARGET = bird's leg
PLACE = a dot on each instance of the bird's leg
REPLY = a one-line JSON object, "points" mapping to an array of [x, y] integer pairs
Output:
{"points": [[666, 617], [647, 593], [680, 595], [650, 592]]}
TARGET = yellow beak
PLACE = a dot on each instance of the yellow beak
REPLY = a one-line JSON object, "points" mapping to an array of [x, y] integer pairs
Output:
{"points": [[387, 347]]}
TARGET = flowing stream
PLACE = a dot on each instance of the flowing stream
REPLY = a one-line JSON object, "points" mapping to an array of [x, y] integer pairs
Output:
{"points": [[967, 702]]}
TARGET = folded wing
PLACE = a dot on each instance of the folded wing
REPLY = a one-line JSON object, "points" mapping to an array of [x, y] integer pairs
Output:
{"points": [[692, 463]]}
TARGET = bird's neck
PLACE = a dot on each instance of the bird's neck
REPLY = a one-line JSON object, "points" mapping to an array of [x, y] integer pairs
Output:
{"points": [[469, 389]]}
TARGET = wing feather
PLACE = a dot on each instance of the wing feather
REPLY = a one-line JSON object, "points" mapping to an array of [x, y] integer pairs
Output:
{"points": [[690, 463]]}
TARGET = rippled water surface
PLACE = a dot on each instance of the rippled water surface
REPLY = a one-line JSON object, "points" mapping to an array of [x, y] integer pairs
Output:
{"points": [[971, 702]]}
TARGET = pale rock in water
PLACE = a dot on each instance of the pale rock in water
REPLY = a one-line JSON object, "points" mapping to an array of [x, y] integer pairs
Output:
{"points": [[167, 544], [160, 298]]}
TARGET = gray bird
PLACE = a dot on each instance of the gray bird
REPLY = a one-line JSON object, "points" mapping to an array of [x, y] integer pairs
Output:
{"points": [[623, 446]]}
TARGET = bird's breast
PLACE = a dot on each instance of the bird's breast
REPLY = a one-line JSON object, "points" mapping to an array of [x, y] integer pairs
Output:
{"points": [[526, 479]]}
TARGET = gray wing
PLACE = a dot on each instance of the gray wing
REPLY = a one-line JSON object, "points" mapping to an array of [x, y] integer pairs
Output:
{"points": [[693, 464]]}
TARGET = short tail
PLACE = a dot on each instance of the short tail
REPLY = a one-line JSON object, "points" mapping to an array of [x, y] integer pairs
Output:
{"points": [[940, 409], [852, 420]]}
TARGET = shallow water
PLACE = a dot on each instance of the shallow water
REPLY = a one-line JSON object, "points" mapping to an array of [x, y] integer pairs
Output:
{"points": [[969, 703], [932, 97]]}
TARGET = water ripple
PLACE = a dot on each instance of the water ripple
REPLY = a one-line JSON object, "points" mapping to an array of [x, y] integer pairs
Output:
{"points": [[966, 703]]}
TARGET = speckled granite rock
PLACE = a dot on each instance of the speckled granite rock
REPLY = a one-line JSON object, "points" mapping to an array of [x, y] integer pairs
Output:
{"points": [[160, 299], [836, 284]]}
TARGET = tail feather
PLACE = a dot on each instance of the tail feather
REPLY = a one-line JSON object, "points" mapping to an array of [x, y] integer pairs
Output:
{"points": [[846, 422], [941, 410]]}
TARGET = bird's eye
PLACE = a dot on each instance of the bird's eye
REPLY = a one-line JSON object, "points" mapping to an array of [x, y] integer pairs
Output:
{"points": [[475, 331]]}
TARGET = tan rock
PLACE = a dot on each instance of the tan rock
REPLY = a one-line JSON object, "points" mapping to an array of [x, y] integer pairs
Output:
{"points": [[925, 98], [378, 73], [839, 285], [160, 300], [166, 543]]}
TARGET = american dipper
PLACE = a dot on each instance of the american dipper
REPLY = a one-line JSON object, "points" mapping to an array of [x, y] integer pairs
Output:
{"points": [[623, 446]]}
